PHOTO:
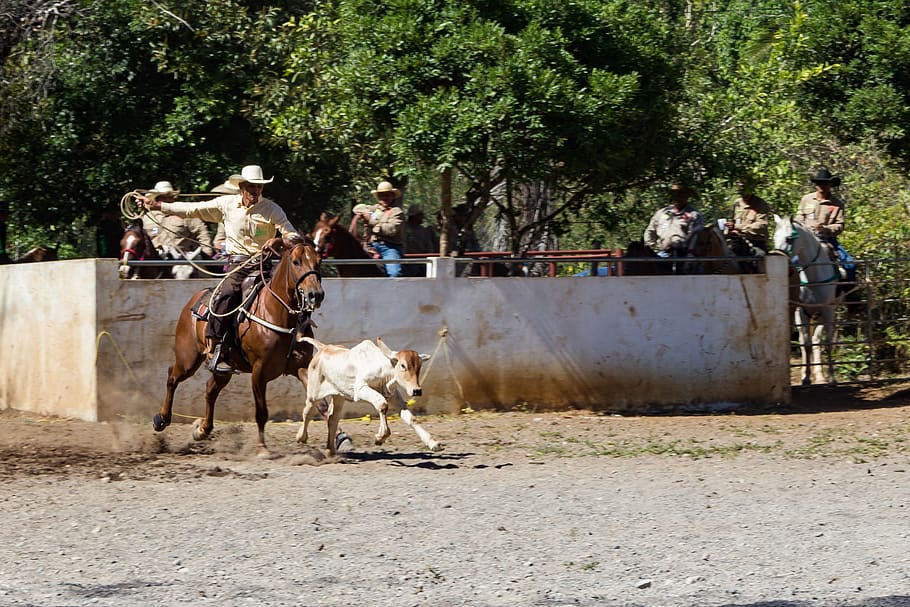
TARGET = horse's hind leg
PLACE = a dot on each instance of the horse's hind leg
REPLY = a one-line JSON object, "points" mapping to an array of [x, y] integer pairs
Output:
{"points": [[259, 384], [202, 428]]}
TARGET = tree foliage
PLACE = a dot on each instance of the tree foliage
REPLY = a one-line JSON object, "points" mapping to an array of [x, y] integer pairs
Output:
{"points": [[566, 118]]}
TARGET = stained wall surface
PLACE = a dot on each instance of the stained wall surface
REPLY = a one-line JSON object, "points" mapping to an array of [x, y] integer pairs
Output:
{"points": [[77, 341]]}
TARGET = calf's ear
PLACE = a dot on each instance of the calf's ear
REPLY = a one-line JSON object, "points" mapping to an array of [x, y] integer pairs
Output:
{"points": [[384, 348], [424, 356]]}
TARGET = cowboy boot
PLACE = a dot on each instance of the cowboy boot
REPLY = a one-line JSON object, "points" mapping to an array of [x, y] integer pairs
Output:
{"points": [[220, 362]]}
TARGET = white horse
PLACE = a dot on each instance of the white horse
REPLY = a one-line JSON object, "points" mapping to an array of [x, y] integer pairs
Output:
{"points": [[818, 278]]}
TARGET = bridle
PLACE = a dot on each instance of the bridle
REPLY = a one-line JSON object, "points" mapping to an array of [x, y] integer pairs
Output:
{"points": [[305, 305], [327, 242], [789, 240]]}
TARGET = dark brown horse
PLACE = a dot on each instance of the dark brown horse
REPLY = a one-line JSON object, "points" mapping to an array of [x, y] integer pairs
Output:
{"points": [[269, 335], [333, 240], [136, 245], [640, 260]]}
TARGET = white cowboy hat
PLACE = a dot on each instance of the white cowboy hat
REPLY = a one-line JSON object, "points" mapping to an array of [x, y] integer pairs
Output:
{"points": [[228, 186], [385, 186], [251, 173], [162, 187]]}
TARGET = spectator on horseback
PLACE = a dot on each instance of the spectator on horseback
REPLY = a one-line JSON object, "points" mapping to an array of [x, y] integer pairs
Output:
{"points": [[670, 231], [746, 231], [387, 228], [822, 211], [174, 234], [250, 224]]}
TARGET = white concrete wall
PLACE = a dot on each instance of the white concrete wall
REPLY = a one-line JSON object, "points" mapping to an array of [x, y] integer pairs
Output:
{"points": [[629, 344]]}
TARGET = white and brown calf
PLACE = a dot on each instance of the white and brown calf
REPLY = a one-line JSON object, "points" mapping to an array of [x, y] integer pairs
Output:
{"points": [[369, 373]]}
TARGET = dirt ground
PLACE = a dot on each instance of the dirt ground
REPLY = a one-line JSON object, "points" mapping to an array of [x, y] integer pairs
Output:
{"points": [[787, 506]]}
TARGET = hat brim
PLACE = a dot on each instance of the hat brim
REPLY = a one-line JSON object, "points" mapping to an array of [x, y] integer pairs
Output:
{"points": [[238, 179], [396, 192], [151, 194], [223, 189]]}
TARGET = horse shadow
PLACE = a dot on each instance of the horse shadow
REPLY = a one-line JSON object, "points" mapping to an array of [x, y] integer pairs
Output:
{"points": [[429, 461]]}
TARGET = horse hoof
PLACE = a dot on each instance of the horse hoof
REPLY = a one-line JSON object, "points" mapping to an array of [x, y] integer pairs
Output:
{"points": [[262, 452], [198, 432], [158, 422], [434, 446]]}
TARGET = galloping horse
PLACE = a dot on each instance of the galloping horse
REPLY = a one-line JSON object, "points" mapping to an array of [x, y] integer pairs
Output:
{"points": [[333, 240], [818, 277], [270, 333]]}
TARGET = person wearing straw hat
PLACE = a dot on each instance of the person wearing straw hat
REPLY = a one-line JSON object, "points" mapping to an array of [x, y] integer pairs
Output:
{"points": [[386, 221], [175, 234], [250, 223]]}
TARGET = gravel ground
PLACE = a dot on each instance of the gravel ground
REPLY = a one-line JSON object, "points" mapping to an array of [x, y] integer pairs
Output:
{"points": [[792, 507]]}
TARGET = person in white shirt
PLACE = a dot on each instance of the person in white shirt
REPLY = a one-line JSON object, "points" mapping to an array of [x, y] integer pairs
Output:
{"points": [[250, 224]]}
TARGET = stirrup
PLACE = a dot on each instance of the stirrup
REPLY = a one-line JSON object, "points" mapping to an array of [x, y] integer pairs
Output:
{"points": [[219, 364]]}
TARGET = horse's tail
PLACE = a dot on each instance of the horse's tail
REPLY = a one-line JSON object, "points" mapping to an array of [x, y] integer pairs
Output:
{"points": [[314, 342]]}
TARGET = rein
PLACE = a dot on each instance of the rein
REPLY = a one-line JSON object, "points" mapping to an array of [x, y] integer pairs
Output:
{"points": [[801, 268]]}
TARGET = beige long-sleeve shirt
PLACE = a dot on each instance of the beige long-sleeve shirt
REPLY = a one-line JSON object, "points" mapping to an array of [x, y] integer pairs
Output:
{"points": [[246, 229], [827, 215], [672, 228], [752, 217], [388, 225]]}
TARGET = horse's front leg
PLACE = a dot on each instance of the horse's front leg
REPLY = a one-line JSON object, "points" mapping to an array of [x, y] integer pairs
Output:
{"points": [[822, 338], [202, 428], [805, 345], [186, 362]]}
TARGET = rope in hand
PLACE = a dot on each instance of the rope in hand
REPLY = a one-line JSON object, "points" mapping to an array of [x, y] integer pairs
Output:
{"points": [[130, 210]]}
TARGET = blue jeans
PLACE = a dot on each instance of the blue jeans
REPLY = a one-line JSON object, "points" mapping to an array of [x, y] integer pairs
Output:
{"points": [[389, 251]]}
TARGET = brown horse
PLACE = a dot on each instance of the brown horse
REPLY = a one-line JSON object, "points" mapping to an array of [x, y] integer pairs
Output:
{"points": [[270, 337], [333, 240], [135, 245], [710, 242]]}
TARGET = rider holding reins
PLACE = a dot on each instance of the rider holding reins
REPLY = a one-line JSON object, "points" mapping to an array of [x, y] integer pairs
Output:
{"points": [[250, 223]]}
